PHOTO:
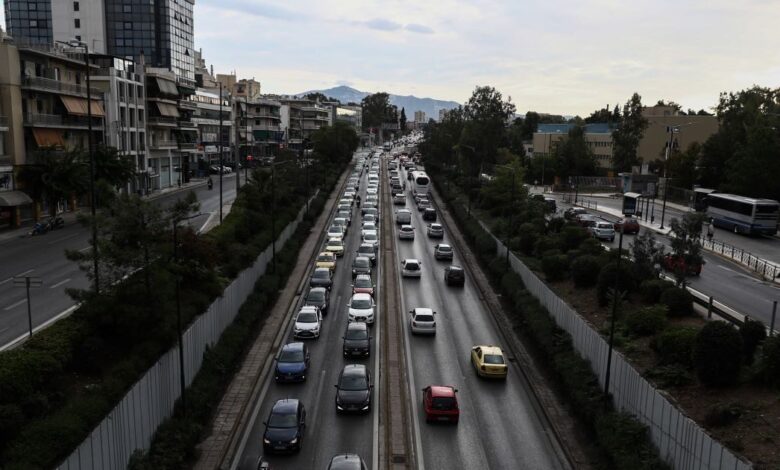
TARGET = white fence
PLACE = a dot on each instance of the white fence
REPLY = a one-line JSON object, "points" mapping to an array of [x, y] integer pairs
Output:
{"points": [[680, 440], [132, 423]]}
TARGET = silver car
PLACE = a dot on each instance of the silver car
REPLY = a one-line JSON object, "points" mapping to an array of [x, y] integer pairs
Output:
{"points": [[422, 320], [435, 231], [406, 232]]}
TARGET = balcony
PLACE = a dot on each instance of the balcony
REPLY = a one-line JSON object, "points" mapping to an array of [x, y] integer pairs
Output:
{"points": [[159, 144], [66, 121], [3, 123], [265, 114], [187, 125], [56, 86], [165, 121]]}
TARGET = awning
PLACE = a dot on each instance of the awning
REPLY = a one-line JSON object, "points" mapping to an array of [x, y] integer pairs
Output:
{"points": [[78, 106], [632, 195], [167, 109], [49, 137], [169, 88], [14, 198]]}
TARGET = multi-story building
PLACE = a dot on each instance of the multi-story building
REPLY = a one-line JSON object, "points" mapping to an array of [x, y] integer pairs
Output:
{"points": [[29, 21], [443, 114], [598, 136], [419, 117], [353, 115], [259, 130], [291, 124], [211, 117], [314, 117], [246, 88]]}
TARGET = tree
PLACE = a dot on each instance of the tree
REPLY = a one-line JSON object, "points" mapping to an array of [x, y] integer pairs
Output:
{"points": [[627, 136], [682, 165], [530, 125], [496, 195], [317, 96], [402, 120], [600, 115], [674, 105], [112, 171], [484, 132], [54, 176], [376, 110], [574, 157], [335, 144], [685, 245], [647, 256]]}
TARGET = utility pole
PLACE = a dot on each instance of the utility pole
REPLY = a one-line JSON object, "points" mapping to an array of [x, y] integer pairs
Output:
{"points": [[220, 152], [27, 282], [246, 138], [671, 130], [615, 300]]}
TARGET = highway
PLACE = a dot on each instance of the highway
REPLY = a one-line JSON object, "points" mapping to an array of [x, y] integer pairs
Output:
{"points": [[44, 257]]}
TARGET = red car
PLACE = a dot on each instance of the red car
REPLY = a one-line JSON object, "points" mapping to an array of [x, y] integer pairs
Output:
{"points": [[629, 225], [441, 403], [673, 263], [363, 285]]}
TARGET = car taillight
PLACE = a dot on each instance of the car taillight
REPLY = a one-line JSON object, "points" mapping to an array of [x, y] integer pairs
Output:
{"points": [[434, 324], [482, 367], [414, 323]]}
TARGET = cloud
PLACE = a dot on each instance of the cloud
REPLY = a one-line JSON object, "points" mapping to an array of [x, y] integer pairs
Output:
{"points": [[418, 28], [382, 24], [255, 8]]}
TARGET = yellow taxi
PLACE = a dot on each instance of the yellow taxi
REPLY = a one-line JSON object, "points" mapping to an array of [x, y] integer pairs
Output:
{"points": [[335, 246], [326, 260], [489, 361]]}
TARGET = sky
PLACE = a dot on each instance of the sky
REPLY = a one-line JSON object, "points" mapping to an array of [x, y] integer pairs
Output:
{"points": [[565, 57]]}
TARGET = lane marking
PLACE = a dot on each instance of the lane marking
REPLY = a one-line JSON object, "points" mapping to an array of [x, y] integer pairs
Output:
{"points": [[62, 239], [84, 249], [16, 304], [12, 277], [59, 283]]}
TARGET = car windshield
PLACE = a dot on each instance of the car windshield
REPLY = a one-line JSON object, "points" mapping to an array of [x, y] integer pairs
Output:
{"points": [[334, 242], [316, 296], [423, 317], [282, 420], [321, 274], [307, 317], [435, 227], [361, 262], [370, 236], [366, 249], [443, 403], [356, 334], [361, 303], [412, 266], [353, 382], [291, 355], [445, 248], [363, 282], [494, 359], [324, 258]]}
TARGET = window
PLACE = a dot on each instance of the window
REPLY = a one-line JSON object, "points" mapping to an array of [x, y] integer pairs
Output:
{"points": [[130, 90], [77, 23], [78, 37], [33, 23], [75, 6], [128, 25], [127, 9], [32, 6]]}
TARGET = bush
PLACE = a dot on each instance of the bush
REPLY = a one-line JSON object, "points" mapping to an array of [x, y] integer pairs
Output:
{"points": [[585, 271], [626, 442], [556, 224], [679, 302], [528, 234], [545, 244], [554, 266], [673, 375], [675, 346], [717, 354], [651, 290], [647, 321], [591, 246], [770, 361], [609, 276], [753, 332], [572, 237]]}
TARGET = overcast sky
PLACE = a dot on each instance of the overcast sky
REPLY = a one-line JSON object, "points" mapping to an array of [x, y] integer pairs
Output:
{"points": [[566, 57]]}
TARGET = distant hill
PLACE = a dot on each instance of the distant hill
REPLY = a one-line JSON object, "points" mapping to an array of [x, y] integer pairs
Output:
{"points": [[410, 103]]}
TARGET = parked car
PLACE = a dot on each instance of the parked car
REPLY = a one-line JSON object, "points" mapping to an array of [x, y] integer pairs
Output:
{"points": [[454, 276], [442, 251], [292, 363], [361, 308], [361, 265], [435, 231], [406, 232], [368, 250], [488, 361], [672, 262], [285, 426], [318, 297], [440, 403], [429, 214], [308, 323], [628, 224], [572, 212], [421, 320], [411, 268], [603, 230], [363, 285], [321, 277], [353, 391]]}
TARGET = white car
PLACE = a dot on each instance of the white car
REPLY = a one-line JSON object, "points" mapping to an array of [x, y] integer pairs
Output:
{"points": [[370, 237], [370, 218], [369, 226], [411, 268], [399, 199], [421, 320], [361, 308], [406, 232], [336, 231], [341, 222], [370, 191], [603, 231], [308, 323]]}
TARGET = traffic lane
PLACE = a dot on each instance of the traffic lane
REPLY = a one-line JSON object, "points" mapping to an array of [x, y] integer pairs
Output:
{"points": [[326, 432], [484, 438]]}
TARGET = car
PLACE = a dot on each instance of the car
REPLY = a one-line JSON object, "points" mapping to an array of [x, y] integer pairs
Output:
{"points": [[347, 462], [368, 250], [345, 207], [406, 232], [423, 204], [307, 323], [628, 225], [454, 276], [551, 204], [429, 214], [411, 268], [369, 226], [336, 232], [318, 297], [672, 262], [335, 246], [364, 211], [421, 320], [403, 217], [603, 230], [489, 361], [292, 363], [341, 222], [435, 231], [399, 199], [572, 212], [363, 285], [372, 190], [345, 215], [371, 218], [440, 403], [346, 200], [361, 265], [442, 251], [321, 277], [326, 259], [285, 426], [361, 308], [353, 391]]}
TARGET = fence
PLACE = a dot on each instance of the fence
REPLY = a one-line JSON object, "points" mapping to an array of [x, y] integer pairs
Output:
{"points": [[767, 269], [679, 439], [132, 423], [569, 198]]}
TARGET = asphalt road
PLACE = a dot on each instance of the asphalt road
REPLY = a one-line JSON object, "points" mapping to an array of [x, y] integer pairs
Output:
{"points": [[499, 427], [44, 257], [327, 433]]}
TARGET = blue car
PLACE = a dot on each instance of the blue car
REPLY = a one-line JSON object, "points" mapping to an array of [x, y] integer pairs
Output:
{"points": [[285, 427], [292, 364]]}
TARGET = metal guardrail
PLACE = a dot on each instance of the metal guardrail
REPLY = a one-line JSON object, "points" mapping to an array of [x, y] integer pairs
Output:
{"points": [[568, 198], [767, 269]]}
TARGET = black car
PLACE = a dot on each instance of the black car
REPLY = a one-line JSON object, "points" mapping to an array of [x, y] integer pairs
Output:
{"points": [[357, 340], [292, 363], [353, 392], [321, 277], [429, 214], [368, 250], [454, 276], [361, 265], [347, 462], [285, 426], [318, 297]]}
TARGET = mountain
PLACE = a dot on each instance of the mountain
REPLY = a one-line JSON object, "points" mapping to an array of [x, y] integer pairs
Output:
{"points": [[410, 103]]}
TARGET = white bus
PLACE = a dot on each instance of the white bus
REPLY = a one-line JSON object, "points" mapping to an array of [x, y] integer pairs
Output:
{"points": [[421, 183], [743, 214]]}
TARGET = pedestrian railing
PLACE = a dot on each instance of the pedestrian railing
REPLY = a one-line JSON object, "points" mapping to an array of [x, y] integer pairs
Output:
{"points": [[569, 198], [765, 268]]}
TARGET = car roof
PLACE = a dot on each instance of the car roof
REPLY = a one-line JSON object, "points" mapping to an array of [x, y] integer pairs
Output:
{"points": [[406, 226], [429, 209], [308, 308], [296, 346], [322, 270], [285, 405], [357, 325], [423, 311], [444, 245], [361, 296], [411, 260], [363, 277], [328, 253], [317, 289], [436, 224], [346, 459], [354, 369], [363, 258], [442, 391], [490, 349], [454, 268]]}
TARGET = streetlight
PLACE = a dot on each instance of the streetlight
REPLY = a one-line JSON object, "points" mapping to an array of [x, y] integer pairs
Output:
{"points": [[93, 199], [671, 130], [615, 299], [273, 213]]}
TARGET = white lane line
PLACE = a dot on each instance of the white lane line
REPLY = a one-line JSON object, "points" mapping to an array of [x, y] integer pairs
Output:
{"points": [[62, 239], [59, 283], [12, 277], [6, 328], [16, 304], [84, 249]]}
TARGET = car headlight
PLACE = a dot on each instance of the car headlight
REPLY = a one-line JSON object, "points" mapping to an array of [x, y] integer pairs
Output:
{"points": [[266, 440], [295, 440]]}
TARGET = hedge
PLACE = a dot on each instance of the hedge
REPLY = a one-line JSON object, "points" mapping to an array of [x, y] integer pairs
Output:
{"points": [[675, 345], [717, 354], [646, 321]]}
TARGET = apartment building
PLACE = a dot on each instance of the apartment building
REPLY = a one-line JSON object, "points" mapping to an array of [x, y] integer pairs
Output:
{"points": [[259, 127], [212, 116], [291, 125], [352, 115], [419, 117]]}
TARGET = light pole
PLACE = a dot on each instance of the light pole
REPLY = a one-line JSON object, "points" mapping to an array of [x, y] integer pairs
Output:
{"points": [[273, 213], [93, 198], [671, 130], [615, 299]]}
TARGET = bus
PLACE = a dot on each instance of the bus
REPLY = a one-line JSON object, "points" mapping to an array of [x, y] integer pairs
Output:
{"points": [[743, 214], [421, 183]]}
